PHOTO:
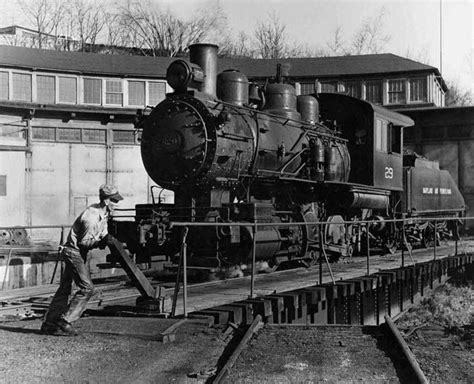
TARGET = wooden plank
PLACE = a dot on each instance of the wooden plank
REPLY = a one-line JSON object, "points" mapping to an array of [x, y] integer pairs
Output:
{"points": [[133, 272]]}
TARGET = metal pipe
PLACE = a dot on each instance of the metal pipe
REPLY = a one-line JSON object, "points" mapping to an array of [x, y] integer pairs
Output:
{"points": [[61, 240], [320, 254], [435, 239], [368, 249], [254, 257], [185, 274], [403, 242], [6, 268]]}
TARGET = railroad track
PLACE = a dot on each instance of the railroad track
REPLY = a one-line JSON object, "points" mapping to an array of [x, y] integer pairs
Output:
{"points": [[303, 353]]}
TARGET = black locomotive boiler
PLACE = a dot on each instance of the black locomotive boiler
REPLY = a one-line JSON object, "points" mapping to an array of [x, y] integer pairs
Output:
{"points": [[234, 151]]}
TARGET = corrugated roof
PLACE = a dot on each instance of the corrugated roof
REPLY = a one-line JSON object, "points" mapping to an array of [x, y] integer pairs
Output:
{"points": [[145, 66]]}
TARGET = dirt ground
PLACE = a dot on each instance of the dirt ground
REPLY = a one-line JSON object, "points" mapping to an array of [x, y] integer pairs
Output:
{"points": [[321, 354], [443, 358], [109, 350], [129, 350]]}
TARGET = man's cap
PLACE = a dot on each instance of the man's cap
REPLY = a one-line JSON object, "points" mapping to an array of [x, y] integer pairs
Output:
{"points": [[107, 191]]}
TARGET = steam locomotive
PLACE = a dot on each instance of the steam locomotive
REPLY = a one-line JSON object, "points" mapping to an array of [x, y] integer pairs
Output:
{"points": [[234, 151]]}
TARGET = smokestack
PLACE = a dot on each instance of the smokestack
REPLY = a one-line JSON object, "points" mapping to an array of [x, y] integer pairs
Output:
{"points": [[205, 55]]}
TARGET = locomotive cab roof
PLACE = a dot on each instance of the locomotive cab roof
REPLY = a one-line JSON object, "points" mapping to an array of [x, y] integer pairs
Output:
{"points": [[343, 100]]}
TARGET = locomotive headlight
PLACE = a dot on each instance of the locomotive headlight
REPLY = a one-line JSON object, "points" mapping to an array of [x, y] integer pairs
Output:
{"points": [[182, 75]]}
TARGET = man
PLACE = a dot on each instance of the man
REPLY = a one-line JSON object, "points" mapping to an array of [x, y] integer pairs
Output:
{"points": [[89, 231]]}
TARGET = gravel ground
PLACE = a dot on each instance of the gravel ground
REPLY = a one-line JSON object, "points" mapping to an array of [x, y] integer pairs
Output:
{"points": [[443, 358], [128, 350], [326, 354], [109, 350]]}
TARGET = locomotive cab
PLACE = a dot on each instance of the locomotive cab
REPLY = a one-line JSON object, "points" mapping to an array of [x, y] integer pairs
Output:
{"points": [[375, 137]]}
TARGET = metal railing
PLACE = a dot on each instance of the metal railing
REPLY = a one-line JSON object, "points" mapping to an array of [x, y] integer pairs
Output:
{"points": [[401, 223], [323, 257]]}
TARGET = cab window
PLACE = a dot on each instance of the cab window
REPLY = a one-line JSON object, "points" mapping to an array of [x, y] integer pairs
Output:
{"points": [[387, 137], [395, 139], [381, 136]]}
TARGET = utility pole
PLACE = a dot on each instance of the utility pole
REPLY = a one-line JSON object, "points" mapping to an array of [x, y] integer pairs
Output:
{"points": [[441, 36]]}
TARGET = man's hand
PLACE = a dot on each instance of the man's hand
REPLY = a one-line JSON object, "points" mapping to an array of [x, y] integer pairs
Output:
{"points": [[106, 241]]}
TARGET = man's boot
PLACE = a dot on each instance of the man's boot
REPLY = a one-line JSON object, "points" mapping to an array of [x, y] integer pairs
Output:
{"points": [[66, 328], [48, 328]]}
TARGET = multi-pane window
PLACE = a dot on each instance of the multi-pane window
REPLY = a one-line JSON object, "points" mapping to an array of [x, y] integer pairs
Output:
{"points": [[44, 133], [156, 92], [3, 185], [418, 89], [69, 134], [381, 142], [45, 89], [307, 88], [123, 137], [352, 88], [396, 92], [3, 85], [67, 89], [113, 92], [21, 87], [92, 91], [93, 135], [136, 93], [373, 91], [329, 86]]}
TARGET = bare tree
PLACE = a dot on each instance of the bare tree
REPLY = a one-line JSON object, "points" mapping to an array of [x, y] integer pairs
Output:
{"points": [[370, 37], [457, 96], [238, 47], [86, 21], [160, 33], [270, 38], [337, 46], [46, 17]]}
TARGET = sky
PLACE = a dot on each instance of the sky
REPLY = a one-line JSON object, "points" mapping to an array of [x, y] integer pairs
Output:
{"points": [[413, 25]]}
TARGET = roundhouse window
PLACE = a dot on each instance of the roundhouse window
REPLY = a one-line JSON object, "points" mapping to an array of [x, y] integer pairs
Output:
{"points": [[418, 89], [156, 92], [44, 133], [4, 86], [352, 88], [21, 87], [67, 89], [45, 89], [329, 86], [69, 134], [136, 93], [92, 91], [373, 91], [113, 92], [123, 137], [396, 92], [93, 135]]}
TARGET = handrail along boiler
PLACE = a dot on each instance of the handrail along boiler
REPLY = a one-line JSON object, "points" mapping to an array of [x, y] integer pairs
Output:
{"points": [[233, 151]]}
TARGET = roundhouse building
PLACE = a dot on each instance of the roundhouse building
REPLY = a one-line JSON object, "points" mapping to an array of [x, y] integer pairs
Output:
{"points": [[66, 126], [66, 118]]}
